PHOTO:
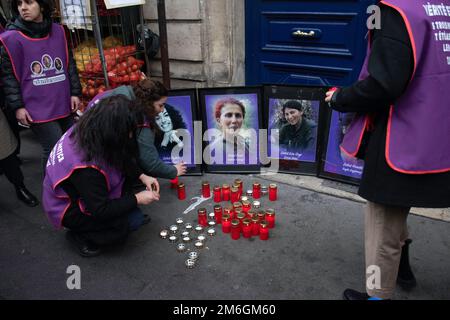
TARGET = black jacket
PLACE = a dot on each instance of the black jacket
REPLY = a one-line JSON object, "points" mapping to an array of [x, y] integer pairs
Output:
{"points": [[11, 87]]}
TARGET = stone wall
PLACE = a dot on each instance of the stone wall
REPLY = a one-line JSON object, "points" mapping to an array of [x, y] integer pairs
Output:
{"points": [[206, 41]]}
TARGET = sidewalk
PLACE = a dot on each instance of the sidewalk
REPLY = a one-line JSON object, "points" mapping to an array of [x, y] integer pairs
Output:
{"points": [[315, 252]]}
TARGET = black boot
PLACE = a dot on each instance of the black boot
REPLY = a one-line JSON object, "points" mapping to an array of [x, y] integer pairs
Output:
{"points": [[26, 196], [84, 247], [350, 294], [406, 279]]}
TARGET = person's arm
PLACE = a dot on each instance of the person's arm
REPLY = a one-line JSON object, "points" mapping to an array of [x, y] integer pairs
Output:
{"points": [[390, 68], [11, 87], [91, 186], [75, 85], [149, 157]]}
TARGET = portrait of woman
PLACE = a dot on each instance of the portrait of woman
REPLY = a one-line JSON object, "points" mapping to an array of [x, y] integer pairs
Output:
{"points": [[36, 68], [47, 61], [168, 121], [58, 64], [232, 123]]}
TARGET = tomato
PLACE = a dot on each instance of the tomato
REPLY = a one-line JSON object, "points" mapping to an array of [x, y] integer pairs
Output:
{"points": [[92, 92], [126, 78], [101, 90], [85, 91], [91, 82], [129, 70], [134, 67], [134, 77], [131, 60]]}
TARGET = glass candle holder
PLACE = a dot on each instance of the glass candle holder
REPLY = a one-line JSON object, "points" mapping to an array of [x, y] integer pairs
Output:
{"points": [[202, 217], [226, 192], [261, 216], [240, 185], [256, 191], [234, 195], [237, 205], [244, 198], [218, 213], [235, 229], [226, 223], [264, 191], [174, 183], [270, 218], [251, 214], [217, 194], [256, 205], [246, 206], [181, 191], [241, 217], [249, 194], [229, 211], [273, 192], [247, 228], [263, 231], [206, 190], [255, 226]]}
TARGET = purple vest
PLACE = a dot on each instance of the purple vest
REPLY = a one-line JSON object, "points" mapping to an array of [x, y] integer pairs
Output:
{"points": [[41, 68], [62, 162], [419, 121]]}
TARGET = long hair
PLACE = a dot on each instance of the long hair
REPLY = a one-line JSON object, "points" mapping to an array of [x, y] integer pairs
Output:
{"points": [[147, 92], [47, 7], [106, 134]]}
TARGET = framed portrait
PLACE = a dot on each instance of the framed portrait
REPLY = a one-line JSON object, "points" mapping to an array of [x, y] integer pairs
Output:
{"points": [[232, 119], [335, 164], [176, 141], [76, 14], [293, 117]]}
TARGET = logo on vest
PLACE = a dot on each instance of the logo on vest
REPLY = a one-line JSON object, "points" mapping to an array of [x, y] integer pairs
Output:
{"points": [[47, 64]]}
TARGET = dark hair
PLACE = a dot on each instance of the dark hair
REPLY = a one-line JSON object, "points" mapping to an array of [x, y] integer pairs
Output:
{"points": [[176, 117], [147, 92], [221, 103], [47, 7], [103, 133], [294, 104]]}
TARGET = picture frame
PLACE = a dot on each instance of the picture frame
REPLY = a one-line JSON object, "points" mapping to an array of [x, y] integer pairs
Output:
{"points": [[335, 165], [232, 118], [295, 114], [181, 112]]}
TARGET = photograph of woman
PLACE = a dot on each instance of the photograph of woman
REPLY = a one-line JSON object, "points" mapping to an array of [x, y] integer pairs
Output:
{"points": [[168, 122], [232, 117], [296, 121]]}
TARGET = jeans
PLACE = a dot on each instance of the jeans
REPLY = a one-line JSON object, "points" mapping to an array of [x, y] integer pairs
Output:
{"points": [[135, 219], [49, 133]]}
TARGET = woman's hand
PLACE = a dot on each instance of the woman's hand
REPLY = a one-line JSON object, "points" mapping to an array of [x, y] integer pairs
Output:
{"points": [[23, 117], [181, 168], [146, 197], [151, 183], [74, 104]]}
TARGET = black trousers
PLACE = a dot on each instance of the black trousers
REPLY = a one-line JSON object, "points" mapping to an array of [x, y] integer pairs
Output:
{"points": [[12, 171]]}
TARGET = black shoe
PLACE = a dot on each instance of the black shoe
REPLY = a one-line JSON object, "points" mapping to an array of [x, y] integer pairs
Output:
{"points": [[146, 219], [405, 278], [85, 249], [26, 197], [350, 294]]}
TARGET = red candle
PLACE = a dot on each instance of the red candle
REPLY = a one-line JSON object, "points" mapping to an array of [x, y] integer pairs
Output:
{"points": [[218, 213], [270, 218], [181, 191], [247, 228], [202, 217], [263, 231], [174, 183], [226, 192], [240, 185], [217, 195], [206, 190], [261, 216], [273, 192], [246, 206], [255, 226], [234, 195], [251, 214], [229, 211], [235, 230], [256, 191], [226, 223], [240, 216]]}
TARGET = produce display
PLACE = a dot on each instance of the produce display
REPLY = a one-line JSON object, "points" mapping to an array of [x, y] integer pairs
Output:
{"points": [[122, 66]]}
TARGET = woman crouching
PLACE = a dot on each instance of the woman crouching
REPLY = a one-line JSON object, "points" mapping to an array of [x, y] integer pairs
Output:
{"points": [[85, 175]]}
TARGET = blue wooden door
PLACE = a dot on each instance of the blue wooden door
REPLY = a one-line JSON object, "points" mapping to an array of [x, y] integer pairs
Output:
{"points": [[320, 42]]}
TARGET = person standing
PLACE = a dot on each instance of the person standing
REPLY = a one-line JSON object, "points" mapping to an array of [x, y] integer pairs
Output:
{"points": [[43, 101], [400, 130]]}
